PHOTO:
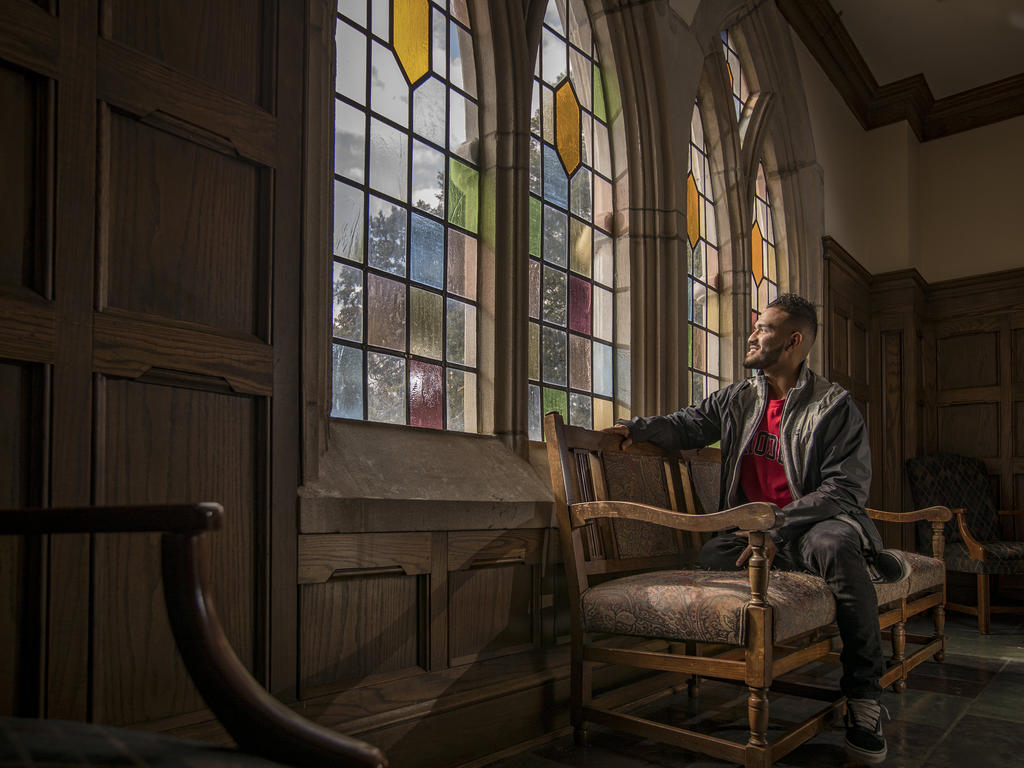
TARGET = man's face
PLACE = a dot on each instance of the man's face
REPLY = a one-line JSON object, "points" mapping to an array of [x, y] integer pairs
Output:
{"points": [[767, 341]]}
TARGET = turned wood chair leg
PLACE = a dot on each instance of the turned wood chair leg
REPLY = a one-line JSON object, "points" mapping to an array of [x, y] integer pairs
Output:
{"points": [[984, 604], [899, 648], [939, 621], [757, 713]]}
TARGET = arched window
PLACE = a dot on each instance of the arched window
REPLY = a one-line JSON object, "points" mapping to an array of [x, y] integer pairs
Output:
{"points": [[704, 361], [572, 259], [764, 270], [737, 78], [406, 214]]}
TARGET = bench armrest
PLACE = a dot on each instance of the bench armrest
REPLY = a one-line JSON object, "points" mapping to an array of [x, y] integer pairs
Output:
{"points": [[755, 516]]}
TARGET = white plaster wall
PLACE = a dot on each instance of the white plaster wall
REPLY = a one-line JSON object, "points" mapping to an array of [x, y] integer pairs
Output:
{"points": [[971, 191], [947, 207]]}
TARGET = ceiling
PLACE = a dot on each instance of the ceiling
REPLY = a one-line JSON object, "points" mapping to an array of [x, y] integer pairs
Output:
{"points": [[956, 44]]}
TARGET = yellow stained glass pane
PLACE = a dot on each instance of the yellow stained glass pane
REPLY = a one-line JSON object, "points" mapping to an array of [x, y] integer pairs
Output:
{"points": [[412, 36], [756, 254], [567, 126], [692, 211], [602, 413]]}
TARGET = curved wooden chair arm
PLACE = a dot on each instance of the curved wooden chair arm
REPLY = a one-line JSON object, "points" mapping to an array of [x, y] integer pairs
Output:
{"points": [[755, 516], [937, 514], [975, 548], [258, 722]]}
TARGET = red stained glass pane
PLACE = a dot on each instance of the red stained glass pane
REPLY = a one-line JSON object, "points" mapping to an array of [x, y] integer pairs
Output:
{"points": [[426, 395], [579, 305]]}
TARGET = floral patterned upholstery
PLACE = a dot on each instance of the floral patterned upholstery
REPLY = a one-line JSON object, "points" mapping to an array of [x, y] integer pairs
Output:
{"points": [[1003, 557], [925, 572], [706, 606]]}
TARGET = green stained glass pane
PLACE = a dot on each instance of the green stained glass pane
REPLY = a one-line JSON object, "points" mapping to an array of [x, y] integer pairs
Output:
{"points": [[534, 357], [599, 108], [426, 312], [348, 302], [385, 384], [535, 226], [463, 195], [556, 400], [581, 238]]}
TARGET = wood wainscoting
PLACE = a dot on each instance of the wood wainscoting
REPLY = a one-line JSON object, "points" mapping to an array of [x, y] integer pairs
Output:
{"points": [[944, 370]]}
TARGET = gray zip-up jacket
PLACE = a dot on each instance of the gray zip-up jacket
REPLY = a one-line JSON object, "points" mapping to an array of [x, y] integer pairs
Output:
{"points": [[823, 441]]}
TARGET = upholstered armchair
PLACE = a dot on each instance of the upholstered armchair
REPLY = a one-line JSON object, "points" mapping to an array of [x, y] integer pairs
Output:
{"points": [[974, 540]]}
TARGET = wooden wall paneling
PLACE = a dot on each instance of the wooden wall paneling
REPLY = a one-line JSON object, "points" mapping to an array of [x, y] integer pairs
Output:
{"points": [[162, 441], [71, 435], [892, 422], [21, 96]]}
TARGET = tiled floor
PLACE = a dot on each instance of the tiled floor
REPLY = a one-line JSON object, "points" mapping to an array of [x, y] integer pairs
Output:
{"points": [[967, 711]]}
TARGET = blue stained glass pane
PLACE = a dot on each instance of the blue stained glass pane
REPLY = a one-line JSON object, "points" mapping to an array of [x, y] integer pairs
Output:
{"points": [[347, 389], [426, 251], [536, 431], [603, 379], [556, 183], [725, 36]]}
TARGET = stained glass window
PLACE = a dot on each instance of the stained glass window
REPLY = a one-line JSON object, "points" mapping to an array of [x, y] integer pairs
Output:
{"points": [[702, 269], [737, 78], [572, 326], [764, 271], [406, 214]]}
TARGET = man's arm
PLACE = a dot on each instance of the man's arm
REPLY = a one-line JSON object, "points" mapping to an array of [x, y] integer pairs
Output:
{"points": [[692, 427], [845, 472]]}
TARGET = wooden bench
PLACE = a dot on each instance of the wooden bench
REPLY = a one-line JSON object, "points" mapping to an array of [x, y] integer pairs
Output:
{"points": [[631, 524]]}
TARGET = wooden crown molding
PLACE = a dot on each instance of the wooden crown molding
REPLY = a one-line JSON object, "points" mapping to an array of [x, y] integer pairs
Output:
{"points": [[910, 99]]}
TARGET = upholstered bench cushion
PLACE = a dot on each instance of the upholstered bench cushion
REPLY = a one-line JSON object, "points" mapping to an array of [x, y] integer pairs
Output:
{"points": [[706, 606], [925, 572]]}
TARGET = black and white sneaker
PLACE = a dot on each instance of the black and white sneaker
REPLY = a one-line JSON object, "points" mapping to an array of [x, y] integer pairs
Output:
{"points": [[889, 565], [865, 741]]}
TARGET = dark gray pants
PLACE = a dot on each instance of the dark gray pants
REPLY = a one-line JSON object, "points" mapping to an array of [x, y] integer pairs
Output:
{"points": [[832, 550]]}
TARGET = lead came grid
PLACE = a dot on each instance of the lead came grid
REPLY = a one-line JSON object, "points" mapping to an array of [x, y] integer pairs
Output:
{"points": [[406, 214], [571, 359]]}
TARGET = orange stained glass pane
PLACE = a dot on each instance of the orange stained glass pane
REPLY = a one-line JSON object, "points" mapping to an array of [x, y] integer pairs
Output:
{"points": [[757, 254], [567, 126], [692, 211], [412, 36]]}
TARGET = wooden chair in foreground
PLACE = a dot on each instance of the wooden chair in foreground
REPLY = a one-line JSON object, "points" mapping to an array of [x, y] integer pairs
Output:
{"points": [[259, 723], [747, 616]]}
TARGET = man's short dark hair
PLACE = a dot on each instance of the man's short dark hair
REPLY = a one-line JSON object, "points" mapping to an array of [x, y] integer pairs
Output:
{"points": [[800, 311]]}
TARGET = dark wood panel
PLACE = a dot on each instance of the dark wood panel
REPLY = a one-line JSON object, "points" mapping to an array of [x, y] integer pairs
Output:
{"points": [[19, 194], [148, 89], [859, 353], [128, 344], [971, 429], [220, 43], [352, 628], [967, 360], [892, 419], [183, 229], [168, 444], [468, 549], [1018, 355], [1017, 429], [21, 429], [27, 327], [28, 37], [839, 343], [324, 555], [490, 611]]}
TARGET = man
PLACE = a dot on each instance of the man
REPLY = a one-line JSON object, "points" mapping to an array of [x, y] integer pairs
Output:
{"points": [[794, 439]]}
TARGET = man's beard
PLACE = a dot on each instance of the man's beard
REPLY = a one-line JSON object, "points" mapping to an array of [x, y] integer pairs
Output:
{"points": [[763, 358]]}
